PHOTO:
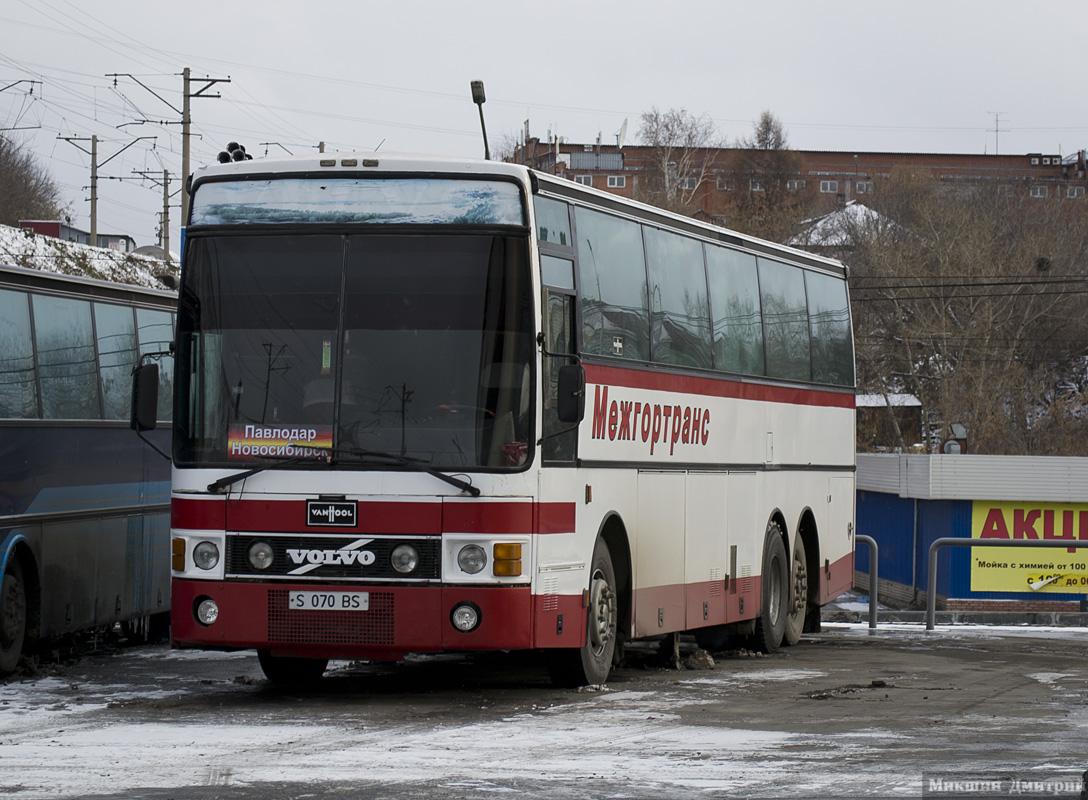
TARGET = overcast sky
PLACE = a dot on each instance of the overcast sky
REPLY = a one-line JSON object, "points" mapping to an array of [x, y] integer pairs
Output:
{"points": [[901, 75]]}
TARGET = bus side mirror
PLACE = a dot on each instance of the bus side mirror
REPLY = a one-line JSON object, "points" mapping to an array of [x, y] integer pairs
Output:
{"points": [[571, 400], [145, 397]]}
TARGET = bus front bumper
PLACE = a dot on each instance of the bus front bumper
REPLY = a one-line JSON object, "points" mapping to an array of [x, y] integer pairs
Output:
{"points": [[387, 623]]}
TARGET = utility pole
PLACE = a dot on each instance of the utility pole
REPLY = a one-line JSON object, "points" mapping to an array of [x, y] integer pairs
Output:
{"points": [[166, 214], [997, 131], [93, 153], [164, 231], [186, 120]]}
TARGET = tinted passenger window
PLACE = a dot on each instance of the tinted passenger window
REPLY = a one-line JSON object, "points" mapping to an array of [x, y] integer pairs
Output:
{"points": [[66, 358], [785, 320], [734, 300], [552, 221], [679, 317], [116, 333], [829, 319], [615, 317], [18, 390]]}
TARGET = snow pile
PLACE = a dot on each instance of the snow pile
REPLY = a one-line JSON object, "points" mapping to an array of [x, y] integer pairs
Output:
{"points": [[24, 248]]}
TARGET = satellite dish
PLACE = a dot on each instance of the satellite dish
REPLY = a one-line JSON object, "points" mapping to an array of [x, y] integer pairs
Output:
{"points": [[622, 135]]}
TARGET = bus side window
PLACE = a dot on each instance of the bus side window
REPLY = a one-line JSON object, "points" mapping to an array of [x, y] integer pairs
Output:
{"points": [[558, 338]]}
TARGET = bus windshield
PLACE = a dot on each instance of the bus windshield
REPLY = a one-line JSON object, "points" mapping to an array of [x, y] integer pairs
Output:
{"points": [[312, 345]]}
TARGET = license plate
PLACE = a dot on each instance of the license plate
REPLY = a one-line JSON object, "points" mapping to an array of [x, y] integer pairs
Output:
{"points": [[329, 601]]}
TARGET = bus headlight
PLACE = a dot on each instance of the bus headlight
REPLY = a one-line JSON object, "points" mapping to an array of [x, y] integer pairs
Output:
{"points": [[261, 555], [207, 611], [206, 555], [404, 558], [471, 558], [466, 617]]}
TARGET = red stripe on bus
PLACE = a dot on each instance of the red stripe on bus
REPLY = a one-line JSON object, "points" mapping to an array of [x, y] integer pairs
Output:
{"points": [[714, 387], [289, 516], [502, 517], [198, 515], [555, 517]]}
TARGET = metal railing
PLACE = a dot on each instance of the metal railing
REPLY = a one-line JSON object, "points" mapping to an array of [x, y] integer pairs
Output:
{"points": [[948, 541]]}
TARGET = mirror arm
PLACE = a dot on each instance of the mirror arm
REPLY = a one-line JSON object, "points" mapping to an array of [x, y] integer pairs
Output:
{"points": [[153, 446], [549, 354]]}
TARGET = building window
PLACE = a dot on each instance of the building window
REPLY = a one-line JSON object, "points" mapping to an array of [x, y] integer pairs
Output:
{"points": [[864, 187], [1039, 191], [756, 185], [585, 180], [1004, 190], [617, 181], [1074, 191], [725, 184], [795, 185], [689, 183], [829, 187]]}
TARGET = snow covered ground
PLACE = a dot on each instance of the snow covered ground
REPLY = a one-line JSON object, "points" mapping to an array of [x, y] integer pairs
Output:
{"points": [[846, 713]]}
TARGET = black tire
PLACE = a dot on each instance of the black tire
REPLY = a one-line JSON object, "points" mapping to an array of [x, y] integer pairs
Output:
{"points": [[798, 607], [774, 593], [13, 616], [291, 672], [591, 663]]}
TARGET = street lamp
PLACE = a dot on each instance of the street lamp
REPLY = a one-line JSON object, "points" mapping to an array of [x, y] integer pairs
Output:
{"points": [[479, 99]]}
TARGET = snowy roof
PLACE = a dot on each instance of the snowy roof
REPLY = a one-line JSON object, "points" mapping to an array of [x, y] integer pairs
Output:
{"points": [[882, 401], [835, 229], [24, 248]]}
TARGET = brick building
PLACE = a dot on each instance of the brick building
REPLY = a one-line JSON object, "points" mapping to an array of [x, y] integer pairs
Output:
{"points": [[832, 178]]}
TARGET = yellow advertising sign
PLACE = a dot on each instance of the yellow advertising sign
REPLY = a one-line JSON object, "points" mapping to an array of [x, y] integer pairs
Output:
{"points": [[1029, 569]]}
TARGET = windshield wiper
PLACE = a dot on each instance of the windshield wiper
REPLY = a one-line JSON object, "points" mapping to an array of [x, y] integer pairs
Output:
{"points": [[413, 463], [217, 486]]}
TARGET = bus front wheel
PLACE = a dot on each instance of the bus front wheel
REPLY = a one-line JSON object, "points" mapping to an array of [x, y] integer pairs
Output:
{"points": [[12, 618], [591, 663], [287, 671], [774, 592]]}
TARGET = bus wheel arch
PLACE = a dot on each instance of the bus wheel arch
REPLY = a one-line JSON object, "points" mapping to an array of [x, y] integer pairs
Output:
{"points": [[20, 609], [774, 587], [614, 534], [607, 612], [804, 586]]}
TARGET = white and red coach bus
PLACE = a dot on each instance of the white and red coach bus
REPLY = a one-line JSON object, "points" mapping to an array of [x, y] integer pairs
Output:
{"points": [[434, 405]]}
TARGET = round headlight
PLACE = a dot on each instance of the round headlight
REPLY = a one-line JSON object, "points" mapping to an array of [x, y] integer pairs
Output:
{"points": [[207, 611], [465, 617], [260, 555], [472, 559], [206, 555], [405, 558]]}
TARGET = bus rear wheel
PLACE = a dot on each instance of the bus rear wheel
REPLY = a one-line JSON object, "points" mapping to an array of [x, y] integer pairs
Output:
{"points": [[774, 593], [12, 618], [291, 672], [591, 663], [795, 619]]}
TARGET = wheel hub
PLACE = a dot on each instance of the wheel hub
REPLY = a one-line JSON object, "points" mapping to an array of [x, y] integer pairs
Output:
{"points": [[602, 620]]}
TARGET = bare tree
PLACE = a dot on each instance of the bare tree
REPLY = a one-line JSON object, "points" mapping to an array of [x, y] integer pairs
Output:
{"points": [[27, 191], [771, 199], [973, 302], [683, 148]]}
